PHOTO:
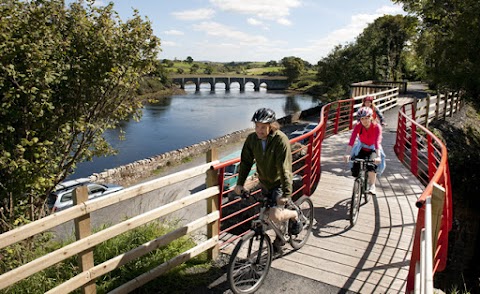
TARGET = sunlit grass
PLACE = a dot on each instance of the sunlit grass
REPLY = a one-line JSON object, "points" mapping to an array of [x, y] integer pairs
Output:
{"points": [[67, 269]]}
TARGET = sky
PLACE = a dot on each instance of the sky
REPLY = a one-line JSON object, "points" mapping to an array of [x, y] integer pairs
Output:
{"points": [[254, 30]]}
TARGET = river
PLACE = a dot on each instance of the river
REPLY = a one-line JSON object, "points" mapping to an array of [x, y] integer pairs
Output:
{"points": [[183, 120]]}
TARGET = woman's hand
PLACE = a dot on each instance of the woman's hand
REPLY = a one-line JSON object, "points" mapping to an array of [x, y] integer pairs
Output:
{"points": [[377, 160], [346, 157]]}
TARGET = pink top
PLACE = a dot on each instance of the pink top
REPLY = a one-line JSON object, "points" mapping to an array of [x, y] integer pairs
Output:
{"points": [[370, 136]]}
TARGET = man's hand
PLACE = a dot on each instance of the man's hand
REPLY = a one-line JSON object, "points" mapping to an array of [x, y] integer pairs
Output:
{"points": [[377, 160], [238, 189]]}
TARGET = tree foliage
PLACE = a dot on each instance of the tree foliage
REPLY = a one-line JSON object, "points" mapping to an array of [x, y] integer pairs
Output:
{"points": [[449, 42], [66, 75], [377, 54], [294, 66]]}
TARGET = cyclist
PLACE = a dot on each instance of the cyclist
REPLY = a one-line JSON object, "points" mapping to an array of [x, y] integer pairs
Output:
{"points": [[368, 146], [270, 149], [377, 114]]}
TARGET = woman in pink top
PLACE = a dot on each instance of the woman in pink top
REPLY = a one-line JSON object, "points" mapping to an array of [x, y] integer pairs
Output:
{"points": [[368, 145]]}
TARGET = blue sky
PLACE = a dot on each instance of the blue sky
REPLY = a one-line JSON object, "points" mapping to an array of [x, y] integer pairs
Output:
{"points": [[255, 30]]}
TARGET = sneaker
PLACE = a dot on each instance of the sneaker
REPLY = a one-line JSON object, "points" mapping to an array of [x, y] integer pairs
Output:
{"points": [[277, 247], [295, 227], [372, 190]]}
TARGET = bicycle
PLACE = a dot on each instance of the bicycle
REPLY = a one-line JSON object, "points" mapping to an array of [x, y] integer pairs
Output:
{"points": [[252, 256], [359, 189]]}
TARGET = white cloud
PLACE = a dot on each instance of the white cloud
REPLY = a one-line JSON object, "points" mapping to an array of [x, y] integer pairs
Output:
{"points": [[393, 10], [224, 32], [168, 43], [198, 14], [98, 3], [254, 22], [284, 21], [266, 9], [173, 33], [321, 47]]}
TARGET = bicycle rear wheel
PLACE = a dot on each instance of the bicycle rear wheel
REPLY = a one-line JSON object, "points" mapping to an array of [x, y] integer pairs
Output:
{"points": [[305, 206], [249, 263], [355, 203]]}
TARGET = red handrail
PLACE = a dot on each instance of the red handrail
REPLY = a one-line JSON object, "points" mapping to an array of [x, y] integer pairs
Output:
{"points": [[333, 118], [410, 154]]}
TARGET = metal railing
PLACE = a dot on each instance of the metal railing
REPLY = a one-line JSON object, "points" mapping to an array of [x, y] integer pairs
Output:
{"points": [[426, 157], [335, 117]]}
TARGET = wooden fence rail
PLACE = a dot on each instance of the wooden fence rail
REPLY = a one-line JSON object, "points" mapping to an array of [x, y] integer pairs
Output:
{"points": [[86, 241]]}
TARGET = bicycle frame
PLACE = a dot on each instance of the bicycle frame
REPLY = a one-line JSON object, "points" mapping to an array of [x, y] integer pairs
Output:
{"points": [[265, 223]]}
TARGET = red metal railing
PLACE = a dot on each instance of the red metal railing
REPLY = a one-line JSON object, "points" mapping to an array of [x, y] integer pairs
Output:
{"points": [[333, 118], [426, 156]]}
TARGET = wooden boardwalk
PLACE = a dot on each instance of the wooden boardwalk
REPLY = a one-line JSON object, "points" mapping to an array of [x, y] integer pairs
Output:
{"points": [[374, 255]]}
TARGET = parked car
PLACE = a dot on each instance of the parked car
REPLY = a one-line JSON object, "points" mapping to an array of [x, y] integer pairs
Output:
{"points": [[62, 196], [310, 127], [231, 171], [305, 130]]}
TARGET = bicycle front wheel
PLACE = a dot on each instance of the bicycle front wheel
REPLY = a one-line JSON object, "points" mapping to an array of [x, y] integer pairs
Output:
{"points": [[305, 206], [355, 203], [249, 263]]}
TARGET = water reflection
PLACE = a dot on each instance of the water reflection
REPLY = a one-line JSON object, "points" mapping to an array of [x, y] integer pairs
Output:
{"points": [[196, 116]]}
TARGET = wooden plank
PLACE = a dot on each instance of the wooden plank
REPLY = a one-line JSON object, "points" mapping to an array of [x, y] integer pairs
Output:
{"points": [[373, 256]]}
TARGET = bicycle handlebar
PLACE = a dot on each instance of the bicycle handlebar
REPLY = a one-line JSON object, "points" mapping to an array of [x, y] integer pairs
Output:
{"points": [[363, 160]]}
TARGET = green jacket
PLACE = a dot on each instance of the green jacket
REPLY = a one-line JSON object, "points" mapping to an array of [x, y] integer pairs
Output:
{"points": [[274, 166]]}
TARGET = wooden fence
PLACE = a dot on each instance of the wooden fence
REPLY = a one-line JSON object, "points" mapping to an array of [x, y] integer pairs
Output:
{"points": [[86, 241]]}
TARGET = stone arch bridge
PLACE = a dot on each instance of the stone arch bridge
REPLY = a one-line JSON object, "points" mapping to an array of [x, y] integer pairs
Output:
{"points": [[278, 83]]}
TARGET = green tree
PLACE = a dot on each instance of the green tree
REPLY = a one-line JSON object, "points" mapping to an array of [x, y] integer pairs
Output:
{"points": [[209, 69], [194, 68], [66, 75], [271, 63], [383, 43], [449, 42], [189, 59], [294, 66]]}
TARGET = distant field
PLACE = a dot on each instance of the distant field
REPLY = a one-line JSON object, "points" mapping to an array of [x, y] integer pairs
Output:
{"points": [[252, 68]]}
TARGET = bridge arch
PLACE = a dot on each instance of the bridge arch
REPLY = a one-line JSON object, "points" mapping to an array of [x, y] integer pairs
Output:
{"points": [[270, 83]]}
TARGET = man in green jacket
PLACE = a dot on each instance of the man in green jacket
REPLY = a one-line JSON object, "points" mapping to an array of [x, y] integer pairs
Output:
{"points": [[270, 149]]}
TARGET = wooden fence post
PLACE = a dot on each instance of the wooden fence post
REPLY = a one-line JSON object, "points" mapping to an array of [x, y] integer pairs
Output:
{"points": [[438, 203], [437, 104], [83, 229], [445, 104], [452, 104], [213, 204], [427, 111]]}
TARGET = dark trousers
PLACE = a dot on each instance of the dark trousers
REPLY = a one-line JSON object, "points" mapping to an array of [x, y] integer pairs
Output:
{"points": [[364, 154]]}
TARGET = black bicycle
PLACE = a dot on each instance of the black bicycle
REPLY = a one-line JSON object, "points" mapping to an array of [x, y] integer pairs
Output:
{"points": [[252, 256], [359, 189]]}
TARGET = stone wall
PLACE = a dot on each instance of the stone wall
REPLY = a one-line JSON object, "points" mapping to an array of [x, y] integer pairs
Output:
{"points": [[146, 168]]}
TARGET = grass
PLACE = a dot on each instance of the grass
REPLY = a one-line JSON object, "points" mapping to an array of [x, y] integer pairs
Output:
{"points": [[18, 254]]}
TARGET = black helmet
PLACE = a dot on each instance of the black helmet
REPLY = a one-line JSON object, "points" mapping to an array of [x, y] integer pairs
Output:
{"points": [[264, 115]]}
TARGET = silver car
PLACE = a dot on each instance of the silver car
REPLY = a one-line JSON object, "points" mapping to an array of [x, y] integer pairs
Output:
{"points": [[62, 196]]}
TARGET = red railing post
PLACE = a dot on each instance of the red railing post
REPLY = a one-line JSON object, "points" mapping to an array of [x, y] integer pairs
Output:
{"points": [[401, 136], [431, 158], [308, 168], [352, 108], [337, 119]]}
